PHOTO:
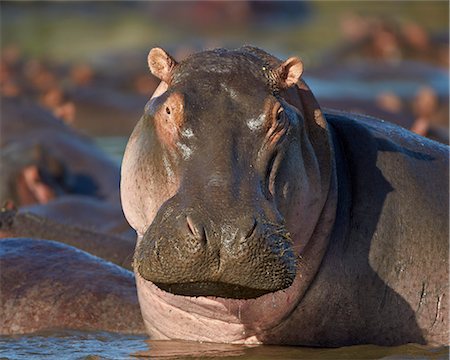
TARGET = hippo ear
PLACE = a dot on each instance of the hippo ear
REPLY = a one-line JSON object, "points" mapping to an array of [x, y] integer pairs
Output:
{"points": [[161, 64], [289, 72], [32, 189]]}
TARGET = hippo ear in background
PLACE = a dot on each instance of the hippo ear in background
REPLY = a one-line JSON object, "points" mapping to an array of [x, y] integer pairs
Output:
{"points": [[34, 190], [289, 72], [161, 64]]}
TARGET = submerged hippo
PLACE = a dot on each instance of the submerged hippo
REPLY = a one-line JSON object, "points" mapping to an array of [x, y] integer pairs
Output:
{"points": [[262, 219], [28, 222], [45, 285]]}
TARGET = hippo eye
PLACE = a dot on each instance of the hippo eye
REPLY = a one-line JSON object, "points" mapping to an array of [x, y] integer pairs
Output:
{"points": [[280, 113], [167, 110]]}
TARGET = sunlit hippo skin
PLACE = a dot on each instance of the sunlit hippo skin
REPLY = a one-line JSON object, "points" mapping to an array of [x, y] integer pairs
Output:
{"points": [[46, 285], [261, 219]]}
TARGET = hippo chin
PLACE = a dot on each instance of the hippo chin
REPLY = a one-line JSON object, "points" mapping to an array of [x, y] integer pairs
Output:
{"points": [[261, 219]]}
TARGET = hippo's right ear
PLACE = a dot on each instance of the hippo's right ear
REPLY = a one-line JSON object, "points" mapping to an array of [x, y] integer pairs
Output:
{"points": [[161, 64]]}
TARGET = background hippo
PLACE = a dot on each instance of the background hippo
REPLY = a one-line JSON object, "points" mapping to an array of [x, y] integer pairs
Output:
{"points": [[87, 171], [262, 220], [64, 180], [86, 212], [108, 246], [46, 285]]}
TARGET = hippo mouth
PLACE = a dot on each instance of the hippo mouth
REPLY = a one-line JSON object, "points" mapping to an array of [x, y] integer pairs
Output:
{"points": [[244, 278], [215, 289], [182, 257]]}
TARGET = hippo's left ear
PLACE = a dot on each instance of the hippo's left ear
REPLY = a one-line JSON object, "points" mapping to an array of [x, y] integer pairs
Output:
{"points": [[161, 64], [289, 72]]}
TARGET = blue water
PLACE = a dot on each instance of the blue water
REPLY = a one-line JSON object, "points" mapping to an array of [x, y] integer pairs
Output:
{"points": [[71, 345]]}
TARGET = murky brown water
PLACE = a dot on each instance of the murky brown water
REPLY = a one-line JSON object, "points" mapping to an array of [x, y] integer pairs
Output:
{"points": [[173, 349]]}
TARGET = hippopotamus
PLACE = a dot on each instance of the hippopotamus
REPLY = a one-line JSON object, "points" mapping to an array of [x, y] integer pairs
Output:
{"points": [[85, 212], [77, 166], [116, 248], [263, 219], [46, 285]]}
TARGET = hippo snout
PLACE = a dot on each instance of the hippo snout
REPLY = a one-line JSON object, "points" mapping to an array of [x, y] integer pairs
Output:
{"points": [[190, 253]]}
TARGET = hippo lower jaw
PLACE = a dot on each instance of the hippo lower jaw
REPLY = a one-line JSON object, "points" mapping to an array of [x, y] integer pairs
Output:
{"points": [[213, 318], [216, 289]]}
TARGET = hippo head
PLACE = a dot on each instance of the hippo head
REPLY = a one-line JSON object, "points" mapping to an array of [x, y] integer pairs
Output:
{"points": [[220, 177]]}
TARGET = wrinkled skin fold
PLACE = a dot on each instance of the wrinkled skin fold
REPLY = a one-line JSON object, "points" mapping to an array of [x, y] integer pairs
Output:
{"points": [[261, 219]]}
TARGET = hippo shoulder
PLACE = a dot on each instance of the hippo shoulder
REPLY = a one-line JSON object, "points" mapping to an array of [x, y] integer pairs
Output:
{"points": [[404, 173], [402, 156], [398, 185]]}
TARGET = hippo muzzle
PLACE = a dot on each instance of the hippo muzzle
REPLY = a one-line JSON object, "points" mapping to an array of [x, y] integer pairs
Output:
{"points": [[189, 251]]}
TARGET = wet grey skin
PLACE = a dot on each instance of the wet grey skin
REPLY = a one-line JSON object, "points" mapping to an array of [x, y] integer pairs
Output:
{"points": [[263, 219]]}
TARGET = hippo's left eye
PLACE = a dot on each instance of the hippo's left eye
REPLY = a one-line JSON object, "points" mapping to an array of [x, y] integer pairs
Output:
{"points": [[280, 113]]}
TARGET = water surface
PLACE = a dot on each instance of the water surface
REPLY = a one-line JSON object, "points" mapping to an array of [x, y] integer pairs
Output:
{"points": [[71, 345], [102, 345]]}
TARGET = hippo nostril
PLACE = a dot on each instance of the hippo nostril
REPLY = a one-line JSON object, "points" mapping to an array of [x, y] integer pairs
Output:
{"points": [[197, 232], [191, 226], [252, 230]]}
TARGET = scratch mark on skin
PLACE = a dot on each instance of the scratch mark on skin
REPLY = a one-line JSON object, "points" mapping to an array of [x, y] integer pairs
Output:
{"points": [[187, 133], [233, 94], [438, 311], [256, 124], [423, 294], [167, 167], [186, 151]]}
